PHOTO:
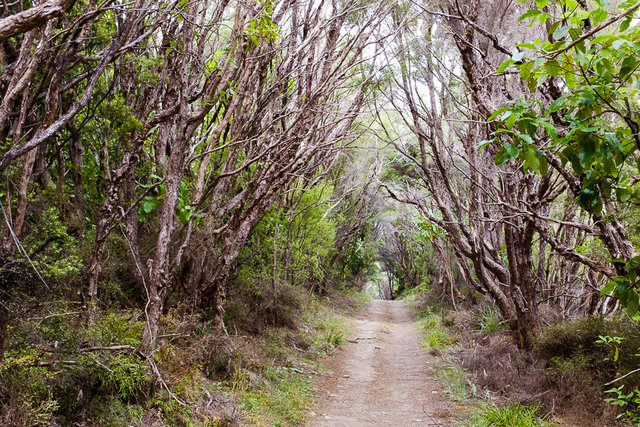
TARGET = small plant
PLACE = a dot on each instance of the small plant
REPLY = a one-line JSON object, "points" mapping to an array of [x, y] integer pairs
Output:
{"points": [[438, 338], [489, 320], [435, 334], [453, 381], [331, 334], [431, 320], [630, 403], [334, 338], [283, 397], [509, 416], [126, 376], [613, 343]]}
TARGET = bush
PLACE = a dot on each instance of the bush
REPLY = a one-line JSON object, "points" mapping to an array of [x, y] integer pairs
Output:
{"points": [[26, 392], [578, 345], [126, 375]]}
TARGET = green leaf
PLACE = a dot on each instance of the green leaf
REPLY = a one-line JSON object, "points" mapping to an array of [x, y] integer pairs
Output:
{"points": [[551, 29], [632, 302], [551, 129], [625, 24], [527, 46], [502, 156], [497, 112], [608, 288], [556, 105], [628, 66], [587, 97], [587, 151], [541, 79], [517, 57], [618, 44], [552, 67], [598, 16], [149, 205], [561, 32], [532, 159], [531, 13], [623, 194], [544, 166], [613, 141], [484, 144], [504, 65], [512, 150], [587, 195], [541, 3]]}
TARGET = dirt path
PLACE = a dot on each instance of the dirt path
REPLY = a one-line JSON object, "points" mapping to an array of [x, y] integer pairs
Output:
{"points": [[383, 377]]}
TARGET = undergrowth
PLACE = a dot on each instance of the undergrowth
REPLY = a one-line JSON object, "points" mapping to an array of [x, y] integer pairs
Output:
{"points": [[511, 415], [453, 381], [60, 370], [488, 320], [479, 366], [445, 333], [283, 397], [281, 392], [435, 334]]}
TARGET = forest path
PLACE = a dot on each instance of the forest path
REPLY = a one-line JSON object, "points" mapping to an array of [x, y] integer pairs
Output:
{"points": [[382, 377]]}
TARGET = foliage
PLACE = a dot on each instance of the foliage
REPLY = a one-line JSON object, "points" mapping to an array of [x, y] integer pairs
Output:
{"points": [[489, 320], [512, 414], [629, 402], [453, 381], [284, 396], [56, 250], [590, 126], [126, 375], [27, 390], [591, 352], [435, 334]]}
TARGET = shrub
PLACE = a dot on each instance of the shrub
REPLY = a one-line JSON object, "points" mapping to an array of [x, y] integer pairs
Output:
{"points": [[126, 375], [580, 344], [26, 392], [629, 402]]}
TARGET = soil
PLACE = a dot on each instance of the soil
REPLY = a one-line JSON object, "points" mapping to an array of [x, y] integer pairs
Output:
{"points": [[382, 377]]}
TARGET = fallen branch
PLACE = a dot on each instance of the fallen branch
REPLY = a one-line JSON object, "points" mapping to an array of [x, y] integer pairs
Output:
{"points": [[623, 377], [108, 348]]}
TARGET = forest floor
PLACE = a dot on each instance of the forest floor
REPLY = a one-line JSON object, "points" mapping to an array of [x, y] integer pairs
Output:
{"points": [[383, 376]]}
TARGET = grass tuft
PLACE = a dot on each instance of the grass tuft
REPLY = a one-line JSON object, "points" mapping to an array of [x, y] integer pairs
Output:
{"points": [[284, 395], [435, 335], [489, 320], [510, 415], [453, 382]]}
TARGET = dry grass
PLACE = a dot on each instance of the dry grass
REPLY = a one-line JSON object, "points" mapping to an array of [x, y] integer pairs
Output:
{"points": [[499, 369]]}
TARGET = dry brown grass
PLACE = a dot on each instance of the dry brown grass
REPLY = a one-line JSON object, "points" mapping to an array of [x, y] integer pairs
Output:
{"points": [[568, 390]]}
